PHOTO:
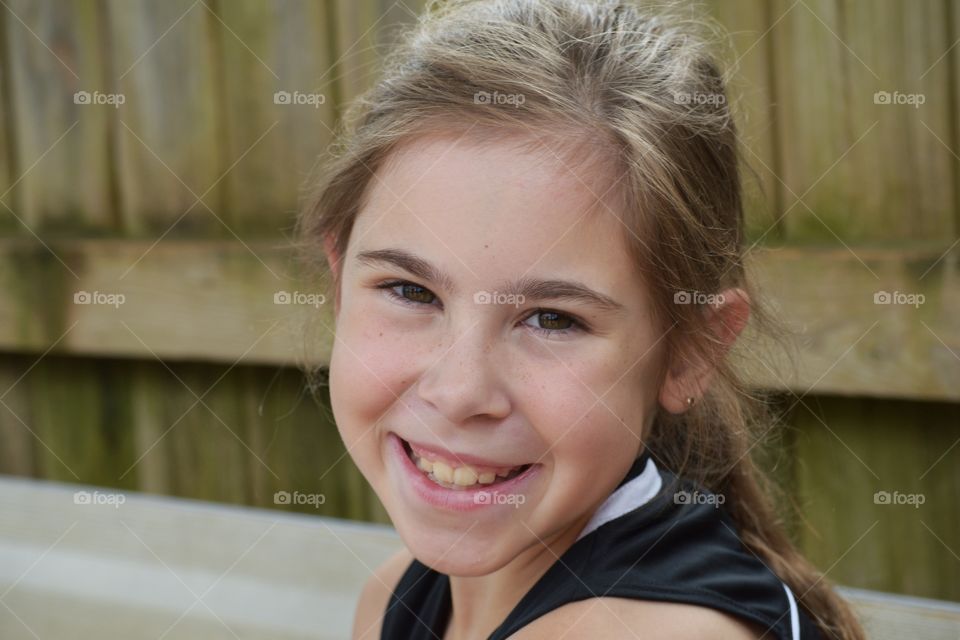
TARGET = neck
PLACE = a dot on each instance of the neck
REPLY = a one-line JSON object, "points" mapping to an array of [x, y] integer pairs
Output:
{"points": [[481, 603]]}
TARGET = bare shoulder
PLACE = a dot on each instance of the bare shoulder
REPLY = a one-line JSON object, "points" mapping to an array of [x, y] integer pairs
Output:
{"points": [[629, 618], [376, 594]]}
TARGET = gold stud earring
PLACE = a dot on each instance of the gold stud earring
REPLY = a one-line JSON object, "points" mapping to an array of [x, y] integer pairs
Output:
{"points": [[689, 401]]}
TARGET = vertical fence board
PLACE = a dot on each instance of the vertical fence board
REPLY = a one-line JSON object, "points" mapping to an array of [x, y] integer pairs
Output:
{"points": [[364, 31], [952, 61], [891, 182], [355, 40], [8, 224], [209, 460], [148, 401], [273, 52], [909, 446], [18, 444], [61, 150], [750, 91], [305, 449], [79, 412], [169, 151]]}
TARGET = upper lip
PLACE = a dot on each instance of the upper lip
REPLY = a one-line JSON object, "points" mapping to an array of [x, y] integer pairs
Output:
{"points": [[461, 457]]}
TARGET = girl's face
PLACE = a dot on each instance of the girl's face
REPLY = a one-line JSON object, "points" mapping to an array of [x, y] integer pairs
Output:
{"points": [[432, 351]]}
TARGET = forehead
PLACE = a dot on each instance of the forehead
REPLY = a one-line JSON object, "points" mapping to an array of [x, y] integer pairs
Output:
{"points": [[491, 209]]}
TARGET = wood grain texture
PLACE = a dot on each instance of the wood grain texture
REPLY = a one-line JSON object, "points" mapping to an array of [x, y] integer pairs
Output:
{"points": [[215, 301], [869, 172], [851, 449], [61, 151], [278, 104], [747, 62], [169, 151]]}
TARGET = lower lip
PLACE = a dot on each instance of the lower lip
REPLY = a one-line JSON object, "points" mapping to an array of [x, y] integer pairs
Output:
{"points": [[509, 494]]}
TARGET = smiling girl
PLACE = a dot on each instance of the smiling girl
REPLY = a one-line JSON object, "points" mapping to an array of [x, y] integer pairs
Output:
{"points": [[535, 240]]}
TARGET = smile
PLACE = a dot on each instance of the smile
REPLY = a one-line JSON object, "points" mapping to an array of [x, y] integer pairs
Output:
{"points": [[459, 482], [450, 473]]}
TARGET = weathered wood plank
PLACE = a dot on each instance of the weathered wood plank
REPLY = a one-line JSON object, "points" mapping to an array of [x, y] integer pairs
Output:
{"points": [[184, 300], [215, 301], [139, 425], [851, 343], [904, 539], [169, 148], [80, 419], [278, 107], [19, 444], [363, 34], [747, 63], [57, 53], [8, 224], [858, 160]]}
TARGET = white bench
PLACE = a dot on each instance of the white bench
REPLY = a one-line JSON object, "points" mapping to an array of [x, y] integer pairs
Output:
{"points": [[159, 567]]}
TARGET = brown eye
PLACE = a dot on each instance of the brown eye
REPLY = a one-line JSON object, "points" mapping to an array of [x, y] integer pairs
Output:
{"points": [[416, 293], [554, 322], [410, 293]]}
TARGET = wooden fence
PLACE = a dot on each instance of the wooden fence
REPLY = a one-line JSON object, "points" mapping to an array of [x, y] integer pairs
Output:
{"points": [[182, 199]]}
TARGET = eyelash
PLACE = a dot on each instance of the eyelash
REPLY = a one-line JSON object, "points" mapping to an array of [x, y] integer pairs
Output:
{"points": [[577, 327]]}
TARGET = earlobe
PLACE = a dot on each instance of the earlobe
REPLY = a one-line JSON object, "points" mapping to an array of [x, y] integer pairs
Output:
{"points": [[683, 388], [686, 383]]}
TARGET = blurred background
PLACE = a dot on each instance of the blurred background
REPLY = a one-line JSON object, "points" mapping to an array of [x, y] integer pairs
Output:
{"points": [[152, 160]]}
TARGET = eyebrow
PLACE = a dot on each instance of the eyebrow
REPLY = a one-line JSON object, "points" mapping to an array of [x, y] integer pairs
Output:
{"points": [[529, 288]]}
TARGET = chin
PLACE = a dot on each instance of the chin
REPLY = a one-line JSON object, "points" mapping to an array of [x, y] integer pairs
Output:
{"points": [[454, 553]]}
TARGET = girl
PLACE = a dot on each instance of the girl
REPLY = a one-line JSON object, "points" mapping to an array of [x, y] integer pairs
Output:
{"points": [[535, 240]]}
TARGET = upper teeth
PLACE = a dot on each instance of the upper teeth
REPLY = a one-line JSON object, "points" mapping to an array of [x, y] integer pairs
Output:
{"points": [[463, 475]]}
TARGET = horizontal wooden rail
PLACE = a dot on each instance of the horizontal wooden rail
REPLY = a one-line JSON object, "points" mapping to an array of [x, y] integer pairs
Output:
{"points": [[878, 322]]}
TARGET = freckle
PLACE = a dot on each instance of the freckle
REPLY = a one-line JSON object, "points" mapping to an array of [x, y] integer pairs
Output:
{"points": [[380, 334]]}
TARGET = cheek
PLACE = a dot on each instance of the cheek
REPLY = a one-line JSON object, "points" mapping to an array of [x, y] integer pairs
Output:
{"points": [[370, 368], [363, 371], [588, 411]]}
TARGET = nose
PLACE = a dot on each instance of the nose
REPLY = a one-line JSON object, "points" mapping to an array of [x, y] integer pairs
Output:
{"points": [[464, 382]]}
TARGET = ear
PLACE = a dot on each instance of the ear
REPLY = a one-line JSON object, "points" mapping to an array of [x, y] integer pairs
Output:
{"points": [[691, 377], [333, 259]]}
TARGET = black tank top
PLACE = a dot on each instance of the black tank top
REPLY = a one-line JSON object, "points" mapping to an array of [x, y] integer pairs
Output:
{"points": [[656, 537]]}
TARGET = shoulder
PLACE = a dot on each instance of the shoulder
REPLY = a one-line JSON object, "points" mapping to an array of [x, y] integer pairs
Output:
{"points": [[627, 618], [376, 594]]}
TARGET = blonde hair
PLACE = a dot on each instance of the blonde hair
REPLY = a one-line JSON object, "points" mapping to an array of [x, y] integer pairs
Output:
{"points": [[639, 87]]}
